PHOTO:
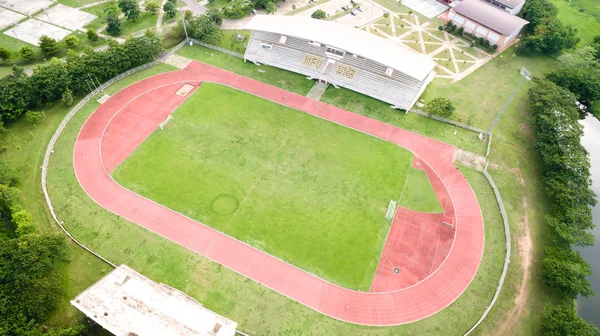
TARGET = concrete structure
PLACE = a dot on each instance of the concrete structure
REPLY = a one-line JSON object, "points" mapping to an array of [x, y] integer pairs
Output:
{"points": [[27, 7], [126, 303], [31, 30], [9, 18], [342, 56], [487, 21], [66, 17], [511, 6]]}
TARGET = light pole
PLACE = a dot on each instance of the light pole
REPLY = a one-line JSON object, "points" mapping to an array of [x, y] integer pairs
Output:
{"points": [[183, 21], [525, 75]]}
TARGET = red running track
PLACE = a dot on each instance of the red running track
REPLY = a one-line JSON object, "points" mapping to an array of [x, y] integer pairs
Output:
{"points": [[136, 111]]}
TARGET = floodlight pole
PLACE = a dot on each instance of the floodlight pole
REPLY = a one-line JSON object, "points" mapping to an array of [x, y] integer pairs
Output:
{"points": [[525, 75], [182, 20]]}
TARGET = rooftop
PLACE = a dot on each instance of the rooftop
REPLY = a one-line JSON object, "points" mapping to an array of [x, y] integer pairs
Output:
{"points": [[490, 16], [349, 39], [125, 302], [510, 3]]}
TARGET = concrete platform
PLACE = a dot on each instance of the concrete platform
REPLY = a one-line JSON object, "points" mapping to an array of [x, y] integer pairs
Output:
{"points": [[9, 18], [27, 7], [31, 30], [66, 17]]}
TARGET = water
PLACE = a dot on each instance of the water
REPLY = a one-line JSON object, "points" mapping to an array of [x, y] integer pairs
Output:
{"points": [[589, 309]]}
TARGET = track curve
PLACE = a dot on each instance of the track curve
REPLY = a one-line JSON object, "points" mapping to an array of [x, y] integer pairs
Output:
{"points": [[97, 152]]}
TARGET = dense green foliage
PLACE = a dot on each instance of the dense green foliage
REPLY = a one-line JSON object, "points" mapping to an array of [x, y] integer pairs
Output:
{"points": [[4, 54], [546, 33], [71, 41], [270, 8], [113, 24], [441, 107], [27, 53], [19, 93], [170, 9], [237, 9], [580, 74], [565, 270], [152, 7], [565, 163], [563, 320]]}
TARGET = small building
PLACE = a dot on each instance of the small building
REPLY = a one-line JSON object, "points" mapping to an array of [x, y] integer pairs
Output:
{"points": [[511, 6], [487, 21], [342, 56], [127, 303]]}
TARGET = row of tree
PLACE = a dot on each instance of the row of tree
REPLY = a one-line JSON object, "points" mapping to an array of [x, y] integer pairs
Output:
{"points": [[30, 284], [72, 75], [566, 178], [545, 32]]}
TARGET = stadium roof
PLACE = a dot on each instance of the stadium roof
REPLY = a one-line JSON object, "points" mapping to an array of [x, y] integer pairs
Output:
{"points": [[349, 39], [510, 3], [125, 302], [490, 16]]}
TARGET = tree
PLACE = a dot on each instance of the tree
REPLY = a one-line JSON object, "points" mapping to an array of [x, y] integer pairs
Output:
{"points": [[113, 24], [563, 320], [92, 35], [441, 107], [131, 9], [67, 97], [188, 15], [204, 29], [319, 14], [239, 8], [583, 81], [48, 45], [536, 12], [565, 270], [8, 176], [152, 7], [170, 9], [549, 37], [27, 53], [270, 8], [71, 41], [77, 330], [23, 222], [4, 54], [215, 15], [30, 285]]}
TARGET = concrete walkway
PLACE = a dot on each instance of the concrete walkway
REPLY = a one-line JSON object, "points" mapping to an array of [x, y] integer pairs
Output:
{"points": [[317, 91]]}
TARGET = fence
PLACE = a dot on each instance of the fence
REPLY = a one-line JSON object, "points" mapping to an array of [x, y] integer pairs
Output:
{"points": [[506, 257], [447, 121], [214, 47], [63, 124]]}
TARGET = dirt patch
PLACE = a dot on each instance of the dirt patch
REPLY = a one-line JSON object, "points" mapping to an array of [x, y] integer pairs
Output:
{"points": [[178, 61], [525, 253], [469, 159]]}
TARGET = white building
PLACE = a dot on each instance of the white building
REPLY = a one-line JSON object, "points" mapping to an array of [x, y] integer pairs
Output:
{"points": [[126, 303], [342, 56]]}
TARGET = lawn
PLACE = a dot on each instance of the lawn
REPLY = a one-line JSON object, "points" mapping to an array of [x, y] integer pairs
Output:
{"points": [[271, 175], [76, 3], [146, 20], [230, 41], [100, 12], [418, 193], [277, 77], [583, 14]]}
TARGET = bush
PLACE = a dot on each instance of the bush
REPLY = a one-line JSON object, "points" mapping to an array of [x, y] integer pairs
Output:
{"points": [[71, 41], [441, 107], [48, 45], [460, 30], [270, 7], [152, 7], [4, 54], [27, 53], [34, 117], [237, 9], [67, 97], [563, 320], [92, 35], [319, 14], [386, 15]]}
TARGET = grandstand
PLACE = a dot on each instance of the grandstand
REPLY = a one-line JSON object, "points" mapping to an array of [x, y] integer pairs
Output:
{"points": [[342, 56]]}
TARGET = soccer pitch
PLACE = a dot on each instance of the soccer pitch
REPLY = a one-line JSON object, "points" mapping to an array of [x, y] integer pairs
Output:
{"points": [[308, 191]]}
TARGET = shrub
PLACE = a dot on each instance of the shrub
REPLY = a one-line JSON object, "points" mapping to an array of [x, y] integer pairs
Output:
{"points": [[270, 7], [152, 7], [71, 41], [33, 117], [440, 28], [318, 14], [48, 45], [386, 15], [67, 97], [442, 107], [92, 35], [4, 54], [27, 53], [460, 30]]}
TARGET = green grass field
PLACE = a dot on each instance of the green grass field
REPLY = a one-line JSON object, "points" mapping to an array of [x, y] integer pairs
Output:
{"points": [[308, 191], [583, 14]]}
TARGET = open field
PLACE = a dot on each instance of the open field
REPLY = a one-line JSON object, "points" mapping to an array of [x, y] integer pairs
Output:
{"points": [[270, 175]]}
